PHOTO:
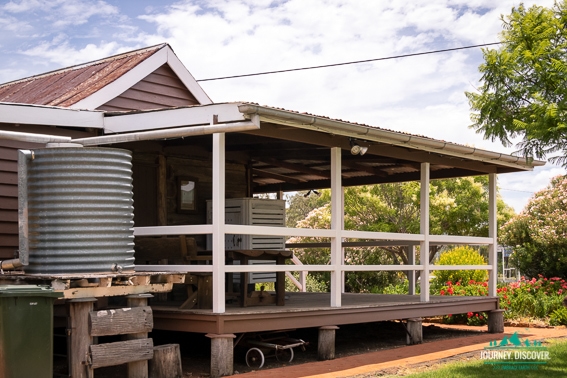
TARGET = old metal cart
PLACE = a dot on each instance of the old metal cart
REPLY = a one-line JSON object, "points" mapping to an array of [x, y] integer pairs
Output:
{"points": [[276, 344]]}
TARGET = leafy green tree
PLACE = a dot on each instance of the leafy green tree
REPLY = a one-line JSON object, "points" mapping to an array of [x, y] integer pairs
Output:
{"points": [[523, 92], [457, 207], [539, 233], [301, 203]]}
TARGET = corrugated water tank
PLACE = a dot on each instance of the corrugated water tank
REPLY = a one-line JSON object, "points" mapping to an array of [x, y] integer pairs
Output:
{"points": [[79, 206]]}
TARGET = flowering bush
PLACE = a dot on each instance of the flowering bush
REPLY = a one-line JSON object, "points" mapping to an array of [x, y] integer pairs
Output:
{"points": [[469, 288], [537, 298], [539, 233]]}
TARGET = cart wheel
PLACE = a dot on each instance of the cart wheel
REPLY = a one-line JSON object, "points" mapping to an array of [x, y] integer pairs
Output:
{"points": [[284, 355], [254, 358]]}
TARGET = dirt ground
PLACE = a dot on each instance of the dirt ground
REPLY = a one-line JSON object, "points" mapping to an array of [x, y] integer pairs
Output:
{"points": [[350, 340]]}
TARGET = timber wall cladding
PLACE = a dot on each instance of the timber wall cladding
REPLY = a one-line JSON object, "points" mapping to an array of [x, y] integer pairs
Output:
{"points": [[9, 195], [162, 88], [202, 171], [199, 168]]}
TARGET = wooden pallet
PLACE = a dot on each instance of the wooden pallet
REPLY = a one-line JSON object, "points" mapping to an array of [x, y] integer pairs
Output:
{"points": [[94, 285]]}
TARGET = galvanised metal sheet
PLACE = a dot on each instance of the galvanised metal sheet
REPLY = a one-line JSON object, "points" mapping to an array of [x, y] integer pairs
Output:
{"points": [[80, 210]]}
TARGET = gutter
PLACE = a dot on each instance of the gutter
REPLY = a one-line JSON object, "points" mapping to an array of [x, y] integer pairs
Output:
{"points": [[390, 137]]}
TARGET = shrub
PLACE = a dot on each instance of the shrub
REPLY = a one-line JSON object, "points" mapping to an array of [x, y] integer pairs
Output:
{"points": [[398, 288], [540, 298], [535, 298], [558, 317], [537, 234], [460, 256], [470, 288]]}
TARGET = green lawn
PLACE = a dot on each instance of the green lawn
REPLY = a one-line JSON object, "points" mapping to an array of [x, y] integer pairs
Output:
{"points": [[555, 367]]}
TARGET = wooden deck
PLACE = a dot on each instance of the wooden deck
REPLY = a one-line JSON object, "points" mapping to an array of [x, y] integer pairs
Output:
{"points": [[304, 310]]}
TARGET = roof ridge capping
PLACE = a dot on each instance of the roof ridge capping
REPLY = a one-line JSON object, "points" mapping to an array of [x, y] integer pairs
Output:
{"points": [[91, 63], [395, 137]]}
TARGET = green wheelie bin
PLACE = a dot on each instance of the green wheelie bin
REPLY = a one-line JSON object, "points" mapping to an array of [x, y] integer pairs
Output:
{"points": [[26, 331]]}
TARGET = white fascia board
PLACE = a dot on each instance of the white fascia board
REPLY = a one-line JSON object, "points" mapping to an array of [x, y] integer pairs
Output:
{"points": [[25, 114], [338, 127], [124, 82], [160, 119], [185, 76]]}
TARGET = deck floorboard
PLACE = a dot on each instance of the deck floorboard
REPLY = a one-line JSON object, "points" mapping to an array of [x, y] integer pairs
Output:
{"points": [[303, 310]]}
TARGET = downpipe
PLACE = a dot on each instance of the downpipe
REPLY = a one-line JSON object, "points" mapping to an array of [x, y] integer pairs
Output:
{"points": [[24, 158]]}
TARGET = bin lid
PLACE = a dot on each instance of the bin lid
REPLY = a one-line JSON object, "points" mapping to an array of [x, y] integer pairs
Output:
{"points": [[28, 291]]}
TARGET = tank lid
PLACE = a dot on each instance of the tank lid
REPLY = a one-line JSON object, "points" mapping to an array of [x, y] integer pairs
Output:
{"points": [[27, 291]]}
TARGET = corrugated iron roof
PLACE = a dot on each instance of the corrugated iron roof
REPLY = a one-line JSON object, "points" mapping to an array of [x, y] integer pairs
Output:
{"points": [[70, 85]]}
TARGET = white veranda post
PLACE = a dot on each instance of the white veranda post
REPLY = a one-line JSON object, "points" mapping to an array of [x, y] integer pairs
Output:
{"points": [[337, 209], [218, 223], [424, 229], [492, 233]]}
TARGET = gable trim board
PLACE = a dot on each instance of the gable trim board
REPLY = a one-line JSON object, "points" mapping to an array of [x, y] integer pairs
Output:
{"points": [[138, 73]]}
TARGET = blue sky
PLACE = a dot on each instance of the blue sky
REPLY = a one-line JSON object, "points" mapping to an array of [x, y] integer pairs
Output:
{"points": [[421, 95]]}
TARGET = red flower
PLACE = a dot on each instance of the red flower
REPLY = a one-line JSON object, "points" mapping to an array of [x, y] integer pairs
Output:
{"points": [[442, 292], [450, 290], [469, 314]]}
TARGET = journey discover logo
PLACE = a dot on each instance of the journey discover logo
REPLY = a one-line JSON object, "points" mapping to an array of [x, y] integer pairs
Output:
{"points": [[511, 353]]}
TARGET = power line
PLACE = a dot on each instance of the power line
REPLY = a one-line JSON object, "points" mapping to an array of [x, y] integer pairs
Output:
{"points": [[517, 190], [351, 62]]}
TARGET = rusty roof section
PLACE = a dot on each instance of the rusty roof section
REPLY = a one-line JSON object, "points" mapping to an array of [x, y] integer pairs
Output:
{"points": [[70, 85]]}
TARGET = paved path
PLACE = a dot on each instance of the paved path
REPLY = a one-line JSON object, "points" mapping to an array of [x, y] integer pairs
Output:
{"points": [[409, 355]]}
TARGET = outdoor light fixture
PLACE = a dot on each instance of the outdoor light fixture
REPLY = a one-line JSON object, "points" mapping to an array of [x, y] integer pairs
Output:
{"points": [[356, 149]]}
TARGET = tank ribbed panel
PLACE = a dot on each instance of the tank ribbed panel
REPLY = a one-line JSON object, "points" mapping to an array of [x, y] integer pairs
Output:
{"points": [[80, 210]]}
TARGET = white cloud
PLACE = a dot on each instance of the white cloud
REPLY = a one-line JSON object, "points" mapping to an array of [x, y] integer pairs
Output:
{"points": [[62, 53], [518, 188], [61, 13], [422, 95]]}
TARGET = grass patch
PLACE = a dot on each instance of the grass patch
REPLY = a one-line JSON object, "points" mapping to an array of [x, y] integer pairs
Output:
{"points": [[556, 367]]}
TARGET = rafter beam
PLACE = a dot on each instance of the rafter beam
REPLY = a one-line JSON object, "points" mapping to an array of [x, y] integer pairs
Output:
{"points": [[364, 168], [284, 178], [377, 149], [367, 180], [294, 167]]}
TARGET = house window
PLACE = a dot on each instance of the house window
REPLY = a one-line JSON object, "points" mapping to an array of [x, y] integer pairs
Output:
{"points": [[187, 194]]}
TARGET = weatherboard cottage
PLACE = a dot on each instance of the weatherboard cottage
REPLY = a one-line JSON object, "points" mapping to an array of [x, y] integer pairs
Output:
{"points": [[193, 160]]}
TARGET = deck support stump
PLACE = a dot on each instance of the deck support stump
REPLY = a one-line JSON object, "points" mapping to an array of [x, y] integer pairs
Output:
{"points": [[78, 338], [496, 321], [414, 328], [166, 362], [137, 369], [222, 354], [326, 345]]}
